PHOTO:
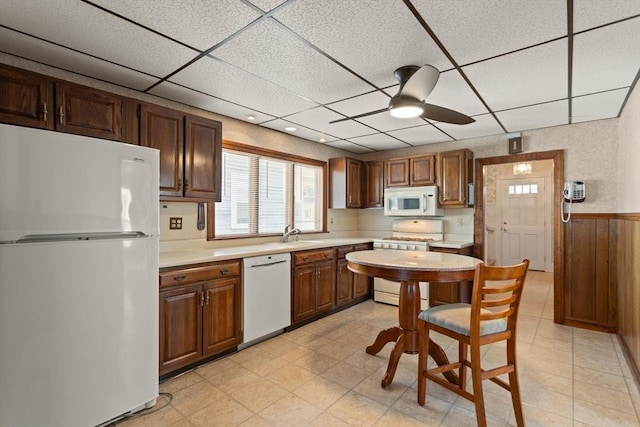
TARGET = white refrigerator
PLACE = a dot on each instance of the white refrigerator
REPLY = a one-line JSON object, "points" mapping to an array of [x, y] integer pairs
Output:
{"points": [[78, 278]]}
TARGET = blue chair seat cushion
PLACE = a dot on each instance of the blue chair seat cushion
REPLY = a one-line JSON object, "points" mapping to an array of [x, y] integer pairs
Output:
{"points": [[457, 318]]}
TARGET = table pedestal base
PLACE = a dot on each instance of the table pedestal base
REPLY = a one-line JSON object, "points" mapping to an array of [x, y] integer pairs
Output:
{"points": [[406, 335]]}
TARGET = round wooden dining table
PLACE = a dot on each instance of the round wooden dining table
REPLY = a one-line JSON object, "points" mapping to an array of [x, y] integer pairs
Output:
{"points": [[409, 268]]}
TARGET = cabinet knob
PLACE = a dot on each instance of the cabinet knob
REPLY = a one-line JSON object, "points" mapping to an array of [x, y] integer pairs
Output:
{"points": [[305, 258], [44, 111], [186, 184], [61, 115], [224, 271], [179, 278], [202, 298]]}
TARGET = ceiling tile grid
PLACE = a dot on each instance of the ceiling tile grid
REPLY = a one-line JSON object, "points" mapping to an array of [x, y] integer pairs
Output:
{"points": [[475, 30], [90, 30], [197, 23], [309, 62]]}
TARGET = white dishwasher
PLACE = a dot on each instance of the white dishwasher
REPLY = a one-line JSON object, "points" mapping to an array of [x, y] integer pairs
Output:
{"points": [[266, 297]]}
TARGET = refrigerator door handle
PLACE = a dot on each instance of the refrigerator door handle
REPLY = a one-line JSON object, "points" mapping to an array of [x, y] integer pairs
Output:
{"points": [[41, 238]]}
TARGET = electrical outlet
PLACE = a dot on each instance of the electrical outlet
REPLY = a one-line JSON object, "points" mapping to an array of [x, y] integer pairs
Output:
{"points": [[175, 223]]}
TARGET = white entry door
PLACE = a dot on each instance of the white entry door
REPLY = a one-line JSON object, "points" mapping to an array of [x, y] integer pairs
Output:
{"points": [[522, 228]]}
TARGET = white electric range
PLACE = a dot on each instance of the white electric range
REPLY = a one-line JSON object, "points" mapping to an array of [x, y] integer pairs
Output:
{"points": [[408, 235]]}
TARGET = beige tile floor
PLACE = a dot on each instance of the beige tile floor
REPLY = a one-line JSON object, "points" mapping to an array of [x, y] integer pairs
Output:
{"points": [[320, 375]]}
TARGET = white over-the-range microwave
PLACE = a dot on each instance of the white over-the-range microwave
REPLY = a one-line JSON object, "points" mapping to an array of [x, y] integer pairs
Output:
{"points": [[412, 201]]}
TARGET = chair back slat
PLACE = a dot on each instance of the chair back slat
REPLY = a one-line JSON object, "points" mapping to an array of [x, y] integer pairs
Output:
{"points": [[496, 294]]}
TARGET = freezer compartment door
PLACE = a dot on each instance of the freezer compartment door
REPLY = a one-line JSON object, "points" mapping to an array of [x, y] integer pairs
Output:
{"points": [[78, 331], [57, 183]]}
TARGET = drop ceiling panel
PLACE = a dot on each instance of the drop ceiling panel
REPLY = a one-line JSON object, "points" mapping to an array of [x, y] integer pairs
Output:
{"points": [[602, 105], [275, 54], [591, 13], [606, 58], [535, 117], [66, 59], [361, 104], [523, 78], [319, 118], [234, 85], [379, 142], [197, 23], [483, 126], [301, 131], [474, 30], [453, 92], [89, 30], [206, 102], [349, 146], [420, 135], [370, 37]]}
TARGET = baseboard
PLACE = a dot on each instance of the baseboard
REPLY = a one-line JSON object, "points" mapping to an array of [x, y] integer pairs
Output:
{"points": [[633, 366]]}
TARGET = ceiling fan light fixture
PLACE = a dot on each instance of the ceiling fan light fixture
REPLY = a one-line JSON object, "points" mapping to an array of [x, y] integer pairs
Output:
{"points": [[403, 107]]}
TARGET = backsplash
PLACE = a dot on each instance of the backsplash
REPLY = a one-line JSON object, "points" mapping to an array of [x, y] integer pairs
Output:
{"points": [[188, 213]]}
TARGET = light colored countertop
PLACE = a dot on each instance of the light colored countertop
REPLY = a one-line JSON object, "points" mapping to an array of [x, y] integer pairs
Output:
{"points": [[413, 260], [452, 244], [186, 256]]}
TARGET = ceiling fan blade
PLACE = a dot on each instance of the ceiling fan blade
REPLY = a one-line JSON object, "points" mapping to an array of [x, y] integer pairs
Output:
{"points": [[370, 113], [441, 114], [421, 83]]}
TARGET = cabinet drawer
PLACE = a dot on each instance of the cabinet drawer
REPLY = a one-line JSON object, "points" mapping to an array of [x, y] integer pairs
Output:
{"points": [[362, 247], [199, 274], [305, 257], [342, 251]]}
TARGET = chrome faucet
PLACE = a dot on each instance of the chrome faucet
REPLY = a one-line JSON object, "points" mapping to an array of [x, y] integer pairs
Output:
{"points": [[288, 231]]}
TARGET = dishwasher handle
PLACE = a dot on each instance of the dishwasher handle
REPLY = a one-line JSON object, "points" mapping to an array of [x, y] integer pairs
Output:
{"points": [[268, 264]]}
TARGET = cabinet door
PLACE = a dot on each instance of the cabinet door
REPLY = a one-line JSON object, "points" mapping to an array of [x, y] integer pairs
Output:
{"points": [[423, 170], [221, 315], [26, 99], [163, 129], [344, 283], [203, 153], [180, 327], [304, 293], [451, 292], [325, 285], [375, 184], [361, 285], [354, 183], [397, 172], [453, 176], [86, 111]]}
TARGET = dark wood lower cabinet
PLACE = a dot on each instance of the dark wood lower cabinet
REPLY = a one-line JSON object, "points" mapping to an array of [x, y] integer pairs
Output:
{"points": [[313, 283], [350, 286], [590, 272], [450, 292], [200, 313]]}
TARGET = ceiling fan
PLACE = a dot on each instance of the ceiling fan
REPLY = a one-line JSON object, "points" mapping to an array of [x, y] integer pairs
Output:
{"points": [[416, 83]]}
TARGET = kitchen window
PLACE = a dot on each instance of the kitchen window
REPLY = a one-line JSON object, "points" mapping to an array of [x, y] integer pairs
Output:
{"points": [[263, 191]]}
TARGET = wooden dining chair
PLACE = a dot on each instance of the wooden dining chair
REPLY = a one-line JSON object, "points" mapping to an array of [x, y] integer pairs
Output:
{"points": [[491, 317]]}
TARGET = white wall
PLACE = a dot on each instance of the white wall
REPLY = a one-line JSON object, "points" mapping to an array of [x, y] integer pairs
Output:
{"points": [[629, 155]]}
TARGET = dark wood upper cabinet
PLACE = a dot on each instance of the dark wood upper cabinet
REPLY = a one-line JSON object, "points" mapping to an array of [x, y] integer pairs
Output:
{"points": [[423, 170], [346, 177], [34, 100], [397, 172], [374, 171], [455, 171], [26, 99], [411, 171], [86, 111], [163, 128], [190, 151], [203, 158]]}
